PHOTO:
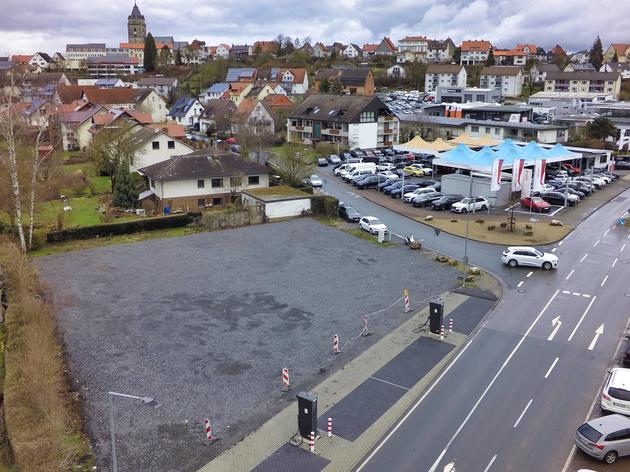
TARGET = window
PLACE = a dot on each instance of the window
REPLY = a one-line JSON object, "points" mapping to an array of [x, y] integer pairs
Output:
{"points": [[618, 435], [474, 129], [171, 144], [253, 180], [156, 145], [487, 130], [217, 201], [151, 183], [201, 183], [366, 117], [201, 202], [217, 183]]}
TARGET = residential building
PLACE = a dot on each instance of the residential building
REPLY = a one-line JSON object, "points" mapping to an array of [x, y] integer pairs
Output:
{"points": [[239, 91], [217, 114], [319, 51], [467, 95], [111, 66], [449, 75], [77, 54], [186, 111], [42, 86], [349, 80], [163, 86], [505, 57], [154, 146], [596, 82], [241, 74], [581, 57], [440, 50], [203, 178], [623, 68], [266, 116], [386, 48], [579, 67], [538, 72], [74, 126], [109, 83], [215, 92], [507, 79], [555, 51], [336, 49], [167, 41], [261, 90], [238, 52], [417, 46], [369, 49], [352, 51], [20, 59], [136, 26], [223, 51], [475, 52], [134, 50], [622, 50], [59, 59], [293, 81], [307, 49], [266, 47], [41, 59], [351, 121], [396, 72]]}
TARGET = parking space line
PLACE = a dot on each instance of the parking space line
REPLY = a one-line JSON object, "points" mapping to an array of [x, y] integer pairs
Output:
{"points": [[577, 294], [570, 274], [566, 292], [585, 295], [582, 318], [628, 237], [552, 366], [623, 247], [494, 458], [559, 209], [390, 383], [604, 281], [554, 249], [595, 245], [584, 257], [523, 413], [519, 284], [614, 262], [529, 274], [606, 232]]}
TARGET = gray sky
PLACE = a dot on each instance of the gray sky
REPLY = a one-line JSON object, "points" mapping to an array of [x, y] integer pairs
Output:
{"points": [[27, 26]]}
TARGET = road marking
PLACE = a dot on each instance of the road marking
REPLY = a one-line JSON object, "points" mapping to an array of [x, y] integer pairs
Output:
{"points": [[604, 281], [577, 294], [390, 383], [488, 387], [628, 237], [556, 323], [598, 332], [554, 249], [560, 243], [529, 274], [570, 274], [586, 296], [584, 257], [519, 284], [523, 414], [582, 318], [552, 366], [614, 262], [594, 245], [494, 458], [623, 247], [566, 292], [606, 232]]}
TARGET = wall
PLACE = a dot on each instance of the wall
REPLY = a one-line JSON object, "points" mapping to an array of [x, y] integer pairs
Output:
{"points": [[460, 184], [155, 105], [146, 155], [231, 219], [362, 135], [285, 209], [188, 188]]}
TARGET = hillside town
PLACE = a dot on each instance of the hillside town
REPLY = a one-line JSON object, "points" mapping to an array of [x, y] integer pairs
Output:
{"points": [[199, 239]]}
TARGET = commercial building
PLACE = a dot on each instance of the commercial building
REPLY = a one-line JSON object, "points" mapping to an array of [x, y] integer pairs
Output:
{"points": [[467, 94]]}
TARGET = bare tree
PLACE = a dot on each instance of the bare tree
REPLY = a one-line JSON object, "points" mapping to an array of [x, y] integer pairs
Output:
{"points": [[292, 165]]}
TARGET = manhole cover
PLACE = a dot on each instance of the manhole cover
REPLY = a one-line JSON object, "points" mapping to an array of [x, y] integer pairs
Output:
{"points": [[522, 290]]}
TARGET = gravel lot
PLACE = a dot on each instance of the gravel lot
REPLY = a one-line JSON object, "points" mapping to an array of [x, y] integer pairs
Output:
{"points": [[205, 323]]}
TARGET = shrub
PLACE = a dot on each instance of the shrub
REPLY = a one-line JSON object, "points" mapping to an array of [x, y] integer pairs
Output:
{"points": [[325, 205], [453, 262], [503, 225], [453, 221], [528, 227], [60, 218], [480, 221], [528, 233], [492, 227]]}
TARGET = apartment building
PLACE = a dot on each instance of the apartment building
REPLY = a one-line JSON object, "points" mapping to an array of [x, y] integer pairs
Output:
{"points": [[507, 79], [585, 82], [475, 52], [444, 75]]}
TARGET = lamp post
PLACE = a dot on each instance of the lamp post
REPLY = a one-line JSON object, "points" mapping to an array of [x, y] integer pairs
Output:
{"points": [[144, 400], [467, 226]]}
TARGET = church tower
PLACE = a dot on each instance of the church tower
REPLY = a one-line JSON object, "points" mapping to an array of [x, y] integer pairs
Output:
{"points": [[136, 26]]}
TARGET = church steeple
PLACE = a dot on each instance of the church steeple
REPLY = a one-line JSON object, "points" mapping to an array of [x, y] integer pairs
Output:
{"points": [[136, 26]]}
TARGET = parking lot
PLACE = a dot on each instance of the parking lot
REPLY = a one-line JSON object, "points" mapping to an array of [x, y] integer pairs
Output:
{"points": [[205, 323]]}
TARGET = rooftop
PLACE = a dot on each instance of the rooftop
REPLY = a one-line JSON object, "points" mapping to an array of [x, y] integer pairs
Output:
{"points": [[276, 194]]}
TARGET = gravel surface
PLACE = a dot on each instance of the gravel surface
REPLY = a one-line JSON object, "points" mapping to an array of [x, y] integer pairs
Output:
{"points": [[205, 323]]}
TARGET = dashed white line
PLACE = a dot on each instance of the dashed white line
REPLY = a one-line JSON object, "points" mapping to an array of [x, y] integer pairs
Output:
{"points": [[606, 232], [584, 257], [566, 292], [529, 275], [628, 237], [604, 281], [560, 243], [552, 366], [570, 274], [519, 284], [494, 458], [586, 296], [582, 318], [595, 245], [614, 262], [623, 247], [523, 414], [577, 294], [554, 249]]}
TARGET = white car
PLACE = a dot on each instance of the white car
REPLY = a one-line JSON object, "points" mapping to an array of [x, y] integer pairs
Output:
{"points": [[315, 181], [372, 225], [470, 204], [409, 196], [389, 174], [386, 166], [334, 159], [515, 256], [616, 393]]}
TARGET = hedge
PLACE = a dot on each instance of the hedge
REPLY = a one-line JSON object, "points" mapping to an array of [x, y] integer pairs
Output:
{"points": [[325, 205], [116, 229]]}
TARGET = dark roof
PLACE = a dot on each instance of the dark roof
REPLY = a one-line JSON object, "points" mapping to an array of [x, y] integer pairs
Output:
{"points": [[218, 107], [135, 13], [501, 70], [444, 68], [204, 163], [345, 75], [45, 57], [44, 78], [150, 81], [583, 75], [337, 108], [181, 106], [99, 96], [547, 67]]}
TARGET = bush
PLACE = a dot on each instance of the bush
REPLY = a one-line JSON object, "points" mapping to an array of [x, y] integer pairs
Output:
{"points": [[492, 227], [480, 221], [453, 221], [116, 229], [325, 205], [528, 227], [528, 233], [503, 225]]}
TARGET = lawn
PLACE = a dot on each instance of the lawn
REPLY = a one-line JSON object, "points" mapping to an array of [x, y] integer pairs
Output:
{"points": [[84, 212]]}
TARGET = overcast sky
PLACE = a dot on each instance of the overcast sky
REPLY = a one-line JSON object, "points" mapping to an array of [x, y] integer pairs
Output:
{"points": [[27, 26]]}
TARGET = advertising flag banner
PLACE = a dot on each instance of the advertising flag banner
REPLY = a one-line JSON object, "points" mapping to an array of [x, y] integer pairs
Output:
{"points": [[539, 174], [497, 165], [517, 174]]}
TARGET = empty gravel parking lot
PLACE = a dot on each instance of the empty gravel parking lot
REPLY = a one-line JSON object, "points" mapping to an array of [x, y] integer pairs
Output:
{"points": [[205, 323]]}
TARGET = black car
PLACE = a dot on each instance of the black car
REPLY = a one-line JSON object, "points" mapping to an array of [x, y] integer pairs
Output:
{"points": [[625, 360], [349, 214], [581, 187], [622, 165], [393, 186], [446, 201], [555, 198], [387, 183], [322, 162], [371, 181], [426, 199], [397, 193]]}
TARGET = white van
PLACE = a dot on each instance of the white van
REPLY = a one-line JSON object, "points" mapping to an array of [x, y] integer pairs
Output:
{"points": [[363, 166], [358, 173]]}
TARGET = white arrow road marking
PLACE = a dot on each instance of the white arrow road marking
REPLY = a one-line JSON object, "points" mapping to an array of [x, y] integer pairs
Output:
{"points": [[519, 284], [554, 249], [450, 467], [556, 323], [599, 331]]}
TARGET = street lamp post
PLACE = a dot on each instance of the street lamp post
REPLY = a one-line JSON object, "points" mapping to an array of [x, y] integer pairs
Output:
{"points": [[467, 226], [144, 400]]}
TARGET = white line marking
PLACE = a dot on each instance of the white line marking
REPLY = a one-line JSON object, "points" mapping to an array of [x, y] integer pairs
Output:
{"points": [[594, 245], [584, 257], [523, 414], [582, 318], [586, 296], [529, 274], [604, 281], [566, 292], [570, 274], [623, 247], [606, 232], [519, 284], [614, 262], [628, 237], [577, 294], [390, 383], [560, 243], [554, 249], [494, 458], [487, 389], [552, 366], [598, 332]]}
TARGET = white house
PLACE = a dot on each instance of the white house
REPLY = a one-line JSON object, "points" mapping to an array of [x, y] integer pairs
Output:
{"points": [[163, 86], [278, 201], [475, 52], [622, 67], [223, 51], [444, 75], [155, 146], [186, 111], [41, 59], [293, 81], [416, 48], [507, 79], [352, 50]]}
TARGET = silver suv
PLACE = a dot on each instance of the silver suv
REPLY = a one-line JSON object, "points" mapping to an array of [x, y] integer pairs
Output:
{"points": [[605, 438]]}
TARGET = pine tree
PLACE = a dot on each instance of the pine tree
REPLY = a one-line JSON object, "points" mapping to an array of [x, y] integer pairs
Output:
{"points": [[150, 54], [596, 54], [125, 194], [490, 61], [615, 57]]}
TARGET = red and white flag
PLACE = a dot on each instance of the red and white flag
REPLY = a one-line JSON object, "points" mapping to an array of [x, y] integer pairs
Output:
{"points": [[517, 174], [497, 165], [540, 166]]}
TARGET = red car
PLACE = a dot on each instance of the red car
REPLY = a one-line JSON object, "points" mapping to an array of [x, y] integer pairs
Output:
{"points": [[571, 169], [535, 203]]}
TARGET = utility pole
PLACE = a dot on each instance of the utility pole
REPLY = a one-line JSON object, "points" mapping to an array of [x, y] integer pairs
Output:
{"points": [[467, 227]]}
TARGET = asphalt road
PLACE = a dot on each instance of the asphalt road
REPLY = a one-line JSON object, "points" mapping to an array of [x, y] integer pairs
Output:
{"points": [[514, 395]]}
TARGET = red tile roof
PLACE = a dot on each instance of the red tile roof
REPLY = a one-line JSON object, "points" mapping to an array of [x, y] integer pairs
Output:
{"points": [[413, 38], [298, 74], [174, 130], [278, 100], [389, 43], [482, 45], [20, 58], [100, 96], [619, 48], [369, 47]]}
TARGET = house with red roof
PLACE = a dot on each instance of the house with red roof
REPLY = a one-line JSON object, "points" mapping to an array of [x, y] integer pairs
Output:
{"points": [[622, 50], [369, 49], [475, 52]]}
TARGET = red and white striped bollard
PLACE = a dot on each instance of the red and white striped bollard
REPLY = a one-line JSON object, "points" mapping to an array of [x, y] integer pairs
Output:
{"points": [[208, 429], [285, 380], [311, 446], [335, 346], [450, 326], [406, 299], [442, 332], [330, 427]]}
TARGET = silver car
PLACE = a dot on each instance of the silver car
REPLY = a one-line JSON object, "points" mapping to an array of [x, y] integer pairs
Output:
{"points": [[605, 438]]}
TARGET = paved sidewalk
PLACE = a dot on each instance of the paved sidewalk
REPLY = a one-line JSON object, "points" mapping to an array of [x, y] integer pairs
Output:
{"points": [[387, 373]]}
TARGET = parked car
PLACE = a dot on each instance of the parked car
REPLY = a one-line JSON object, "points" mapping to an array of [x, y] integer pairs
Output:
{"points": [[351, 176], [625, 360], [622, 165], [349, 214], [314, 181], [372, 225], [558, 198], [384, 167], [400, 191], [446, 201], [605, 438], [388, 174], [371, 181], [390, 181], [393, 186], [334, 159], [470, 204], [425, 199], [535, 204], [322, 162], [515, 256], [417, 170], [616, 392], [571, 169], [409, 196]]}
